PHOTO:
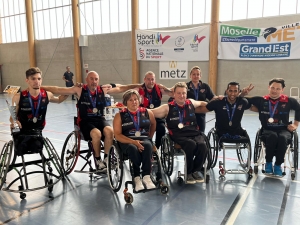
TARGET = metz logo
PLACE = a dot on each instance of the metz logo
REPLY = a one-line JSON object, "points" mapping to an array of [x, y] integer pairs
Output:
{"points": [[142, 54], [159, 38], [197, 39]]}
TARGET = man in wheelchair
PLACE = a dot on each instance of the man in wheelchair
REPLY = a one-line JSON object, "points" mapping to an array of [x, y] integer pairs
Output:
{"points": [[274, 110], [183, 130], [31, 107], [134, 128]]}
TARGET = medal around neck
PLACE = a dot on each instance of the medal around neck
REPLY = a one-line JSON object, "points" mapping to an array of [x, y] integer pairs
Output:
{"points": [[271, 120], [137, 134], [151, 106], [180, 125], [13, 113], [230, 123], [95, 110], [34, 119]]}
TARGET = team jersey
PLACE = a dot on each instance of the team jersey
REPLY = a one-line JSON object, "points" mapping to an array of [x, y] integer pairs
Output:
{"points": [[204, 91], [152, 97]]}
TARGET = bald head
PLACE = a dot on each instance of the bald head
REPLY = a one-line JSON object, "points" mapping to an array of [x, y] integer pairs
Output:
{"points": [[92, 80]]}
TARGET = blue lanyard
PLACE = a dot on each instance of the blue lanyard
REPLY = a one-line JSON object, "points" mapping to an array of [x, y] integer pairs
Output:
{"points": [[181, 113], [136, 124], [150, 97], [93, 101], [35, 113], [196, 91], [274, 109], [228, 111]]}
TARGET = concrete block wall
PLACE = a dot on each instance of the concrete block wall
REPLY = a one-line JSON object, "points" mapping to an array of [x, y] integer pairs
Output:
{"points": [[110, 56]]}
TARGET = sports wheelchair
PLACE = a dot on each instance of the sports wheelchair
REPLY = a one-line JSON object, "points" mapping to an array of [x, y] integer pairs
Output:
{"points": [[116, 160], [170, 149], [71, 152], [14, 157], [241, 144], [291, 154]]}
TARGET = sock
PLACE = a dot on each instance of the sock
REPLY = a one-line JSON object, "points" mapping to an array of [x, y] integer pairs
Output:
{"points": [[105, 155], [97, 158]]}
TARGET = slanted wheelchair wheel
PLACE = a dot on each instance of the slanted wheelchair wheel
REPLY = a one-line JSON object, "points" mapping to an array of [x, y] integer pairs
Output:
{"points": [[5, 158], [257, 150], [242, 153], [295, 151], [155, 168], [209, 157], [70, 151], [115, 169], [128, 198], [213, 145], [167, 158]]}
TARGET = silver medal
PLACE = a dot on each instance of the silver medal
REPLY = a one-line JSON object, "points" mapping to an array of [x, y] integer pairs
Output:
{"points": [[151, 106], [230, 123], [137, 134], [271, 120], [34, 119], [180, 125], [95, 110]]}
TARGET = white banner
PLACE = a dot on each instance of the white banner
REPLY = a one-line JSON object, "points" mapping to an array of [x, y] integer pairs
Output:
{"points": [[243, 43], [180, 45], [173, 70]]}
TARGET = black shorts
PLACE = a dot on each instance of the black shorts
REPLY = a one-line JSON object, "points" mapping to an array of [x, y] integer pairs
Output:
{"points": [[87, 125]]}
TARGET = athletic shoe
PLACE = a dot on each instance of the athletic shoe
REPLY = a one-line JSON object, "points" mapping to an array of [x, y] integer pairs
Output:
{"points": [[100, 166], [148, 182], [105, 161], [269, 168], [277, 171], [197, 177], [138, 186], [190, 179]]}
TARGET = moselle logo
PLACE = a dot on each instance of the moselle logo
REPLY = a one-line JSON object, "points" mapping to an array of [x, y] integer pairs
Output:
{"points": [[276, 50], [197, 39], [230, 33], [179, 41], [142, 54], [286, 33], [173, 64], [159, 38]]}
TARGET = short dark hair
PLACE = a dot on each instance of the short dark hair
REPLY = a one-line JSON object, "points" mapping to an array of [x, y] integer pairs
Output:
{"points": [[234, 84], [277, 80], [32, 71]]}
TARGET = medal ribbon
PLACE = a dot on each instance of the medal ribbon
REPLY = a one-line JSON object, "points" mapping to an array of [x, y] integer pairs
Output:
{"points": [[228, 111], [196, 90], [150, 97], [136, 123], [274, 109], [93, 101], [181, 113], [34, 113]]}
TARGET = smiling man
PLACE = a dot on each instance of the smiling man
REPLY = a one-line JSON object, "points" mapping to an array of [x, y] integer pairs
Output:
{"points": [[274, 110]]}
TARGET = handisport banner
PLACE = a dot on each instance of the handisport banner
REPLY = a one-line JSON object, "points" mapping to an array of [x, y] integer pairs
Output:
{"points": [[271, 43], [175, 45]]}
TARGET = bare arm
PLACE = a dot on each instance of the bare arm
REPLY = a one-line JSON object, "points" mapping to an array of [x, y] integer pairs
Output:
{"points": [[55, 99], [63, 90], [198, 103], [161, 111], [122, 88], [152, 124], [201, 109], [165, 90], [117, 125], [246, 90]]}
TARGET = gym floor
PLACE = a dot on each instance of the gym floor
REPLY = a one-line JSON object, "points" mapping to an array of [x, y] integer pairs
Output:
{"points": [[78, 200]]}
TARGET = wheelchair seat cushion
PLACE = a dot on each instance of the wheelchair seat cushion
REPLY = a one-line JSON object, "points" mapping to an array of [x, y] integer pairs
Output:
{"points": [[28, 143], [234, 139]]}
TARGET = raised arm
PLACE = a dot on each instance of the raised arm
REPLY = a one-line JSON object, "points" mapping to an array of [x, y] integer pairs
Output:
{"points": [[161, 111], [56, 99], [63, 90], [122, 88]]}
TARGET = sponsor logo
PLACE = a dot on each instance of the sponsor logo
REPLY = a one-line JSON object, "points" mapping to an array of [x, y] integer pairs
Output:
{"points": [[179, 41], [175, 118], [151, 40], [196, 40], [142, 54], [265, 50], [153, 53], [178, 49], [286, 33], [127, 124], [240, 107], [230, 33]]}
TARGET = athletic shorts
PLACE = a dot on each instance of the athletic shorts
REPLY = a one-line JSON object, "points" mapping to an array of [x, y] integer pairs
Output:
{"points": [[87, 125]]}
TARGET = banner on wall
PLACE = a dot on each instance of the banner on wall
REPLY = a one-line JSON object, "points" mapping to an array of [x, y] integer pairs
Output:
{"points": [[179, 45], [173, 70], [271, 43]]}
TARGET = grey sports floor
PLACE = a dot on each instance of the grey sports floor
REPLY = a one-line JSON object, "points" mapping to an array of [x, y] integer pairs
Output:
{"points": [[235, 200]]}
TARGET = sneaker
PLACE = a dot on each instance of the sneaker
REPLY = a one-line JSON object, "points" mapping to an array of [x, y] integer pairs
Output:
{"points": [[138, 185], [105, 161], [148, 182], [190, 179], [197, 177], [269, 168], [277, 171], [100, 165]]}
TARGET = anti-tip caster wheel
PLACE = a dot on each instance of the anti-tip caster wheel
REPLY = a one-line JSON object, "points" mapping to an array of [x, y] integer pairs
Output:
{"points": [[22, 195], [164, 189], [128, 198], [180, 180]]}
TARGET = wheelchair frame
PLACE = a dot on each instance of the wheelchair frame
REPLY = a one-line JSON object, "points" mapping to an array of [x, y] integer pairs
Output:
{"points": [[8, 163], [116, 160], [217, 146], [169, 149], [260, 153]]}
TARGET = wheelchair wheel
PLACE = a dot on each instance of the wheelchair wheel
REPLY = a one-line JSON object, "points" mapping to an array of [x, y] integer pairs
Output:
{"points": [[52, 153], [5, 158], [242, 153], [115, 169], [257, 150], [167, 156], [155, 168], [213, 144], [70, 152], [209, 158], [295, 151]]}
